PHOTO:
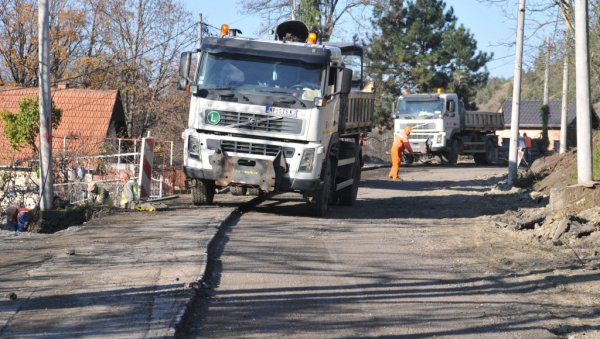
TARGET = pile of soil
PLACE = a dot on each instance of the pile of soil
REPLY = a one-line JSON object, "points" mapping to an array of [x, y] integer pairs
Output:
{"points": [[60, 219], [559, 223]]}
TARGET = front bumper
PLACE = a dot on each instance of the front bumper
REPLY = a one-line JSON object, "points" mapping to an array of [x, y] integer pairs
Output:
{"points": [[285, 183]]}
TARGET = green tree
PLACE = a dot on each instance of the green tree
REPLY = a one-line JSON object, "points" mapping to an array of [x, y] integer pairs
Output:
{"points": [[22, 128], [419, 46]]}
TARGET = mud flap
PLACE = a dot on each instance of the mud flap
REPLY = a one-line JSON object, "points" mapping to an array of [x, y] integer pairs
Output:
{"points": [[265, 174]]}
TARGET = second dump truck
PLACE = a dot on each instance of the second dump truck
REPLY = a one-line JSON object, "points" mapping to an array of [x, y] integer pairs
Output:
{"points": [[282, 115], [441, 126]]}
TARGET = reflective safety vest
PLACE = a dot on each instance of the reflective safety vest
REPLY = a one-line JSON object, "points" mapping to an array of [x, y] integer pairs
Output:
{"points": [[133, 189]]}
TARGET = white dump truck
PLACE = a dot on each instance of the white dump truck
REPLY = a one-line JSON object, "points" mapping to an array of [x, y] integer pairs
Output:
{"points": [[441, 126], [276, 115]]}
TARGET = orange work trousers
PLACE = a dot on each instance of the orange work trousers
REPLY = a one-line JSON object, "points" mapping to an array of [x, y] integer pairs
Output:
{"points": [[396, 152]]}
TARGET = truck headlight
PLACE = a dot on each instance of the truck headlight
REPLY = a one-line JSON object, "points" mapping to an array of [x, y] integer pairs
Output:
{"points": [[193, 147], [307, 161], [438, 139]]}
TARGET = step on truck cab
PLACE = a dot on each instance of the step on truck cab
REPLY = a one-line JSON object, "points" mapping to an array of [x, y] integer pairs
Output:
{"points": [[442, 127], [278, 115]]}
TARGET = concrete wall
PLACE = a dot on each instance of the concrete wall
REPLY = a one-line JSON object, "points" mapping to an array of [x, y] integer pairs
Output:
{"points": [[18, 188]]}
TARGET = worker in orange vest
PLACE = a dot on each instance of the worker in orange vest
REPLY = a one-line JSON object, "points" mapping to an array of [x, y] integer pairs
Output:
{"points": [[18, 217], [527, 150], [400, 145]]}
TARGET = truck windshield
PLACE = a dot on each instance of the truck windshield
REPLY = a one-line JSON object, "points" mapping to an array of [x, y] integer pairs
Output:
{"points": [[259, 75], [408, 109]]}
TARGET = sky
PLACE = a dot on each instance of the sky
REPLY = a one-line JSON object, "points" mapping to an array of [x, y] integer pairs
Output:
{"points": [[493, 27]]}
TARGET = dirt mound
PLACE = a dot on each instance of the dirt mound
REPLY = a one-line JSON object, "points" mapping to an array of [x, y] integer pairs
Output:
{"points": [[561, 222]]}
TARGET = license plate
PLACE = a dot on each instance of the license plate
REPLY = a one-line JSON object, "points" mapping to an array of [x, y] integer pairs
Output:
{"points": [[288, 112]]}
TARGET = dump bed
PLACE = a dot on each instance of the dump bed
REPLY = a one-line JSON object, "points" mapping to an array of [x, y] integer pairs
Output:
{"points": [[359, 116], [483, 121]]}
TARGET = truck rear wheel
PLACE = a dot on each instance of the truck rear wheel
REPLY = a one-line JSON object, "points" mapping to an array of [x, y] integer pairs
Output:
{"points": [[479, 158], [203, 192], [348, 195], [490, 152]]}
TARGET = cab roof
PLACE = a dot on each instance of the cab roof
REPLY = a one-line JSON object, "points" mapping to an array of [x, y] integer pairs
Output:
{"points": [[307, 53]]}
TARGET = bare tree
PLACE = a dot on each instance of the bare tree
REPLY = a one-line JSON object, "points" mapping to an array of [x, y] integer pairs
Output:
{"points": [[141, 43], [18, 41], [67, 34], [320, 15]]}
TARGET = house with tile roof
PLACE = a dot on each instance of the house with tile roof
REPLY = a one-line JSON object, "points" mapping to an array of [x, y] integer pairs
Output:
{"points": [[530, 121], [89, 117]]}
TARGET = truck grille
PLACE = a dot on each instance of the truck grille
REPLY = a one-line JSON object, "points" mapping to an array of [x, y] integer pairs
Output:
{"points": [[251, 148], [425, 126], [258, 122], [418, 137]]}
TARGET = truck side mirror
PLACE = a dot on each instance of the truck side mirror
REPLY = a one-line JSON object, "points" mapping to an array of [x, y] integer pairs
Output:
{"points": [[346, 83], [184, 70]]}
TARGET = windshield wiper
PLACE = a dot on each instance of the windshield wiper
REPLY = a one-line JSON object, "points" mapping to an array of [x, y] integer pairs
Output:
{"points": [[295, 99]]}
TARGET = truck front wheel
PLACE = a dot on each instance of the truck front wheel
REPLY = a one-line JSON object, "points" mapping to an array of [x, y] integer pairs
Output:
{"points": [[452, 152], [203, 192], [319, 202], [238, 190], [348, 195]]}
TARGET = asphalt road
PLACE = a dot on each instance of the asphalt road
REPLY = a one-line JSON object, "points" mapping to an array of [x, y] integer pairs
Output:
{"points": [[126, 275], [402, 262]]}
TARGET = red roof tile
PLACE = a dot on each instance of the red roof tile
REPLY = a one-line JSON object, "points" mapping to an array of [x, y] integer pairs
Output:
{"points": [[85, 113]]}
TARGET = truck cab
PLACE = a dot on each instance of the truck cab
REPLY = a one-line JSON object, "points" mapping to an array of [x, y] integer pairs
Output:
{"points": [[431, 116]]}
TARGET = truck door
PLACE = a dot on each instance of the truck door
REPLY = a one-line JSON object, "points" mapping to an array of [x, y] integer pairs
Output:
{"points": [[451, 116]]}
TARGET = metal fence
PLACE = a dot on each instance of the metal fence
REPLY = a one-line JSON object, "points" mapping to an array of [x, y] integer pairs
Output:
{"points": [[80, 163]]}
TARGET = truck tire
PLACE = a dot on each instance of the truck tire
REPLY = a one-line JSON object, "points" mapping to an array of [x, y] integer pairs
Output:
{"points": [[319, 204], [203, 192], [452, 152], [238, 190], [479, 158], [490, 156], [348, 195]]}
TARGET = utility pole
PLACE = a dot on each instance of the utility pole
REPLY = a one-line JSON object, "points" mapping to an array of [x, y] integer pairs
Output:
{"points": [[199, 42], [516, 97], [565, 94], [293, 9], [46, 179], [546, 71], [582, 76]]}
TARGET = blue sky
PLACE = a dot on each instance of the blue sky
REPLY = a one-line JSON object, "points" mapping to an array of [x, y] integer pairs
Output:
{"points": [[493, 27]]}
